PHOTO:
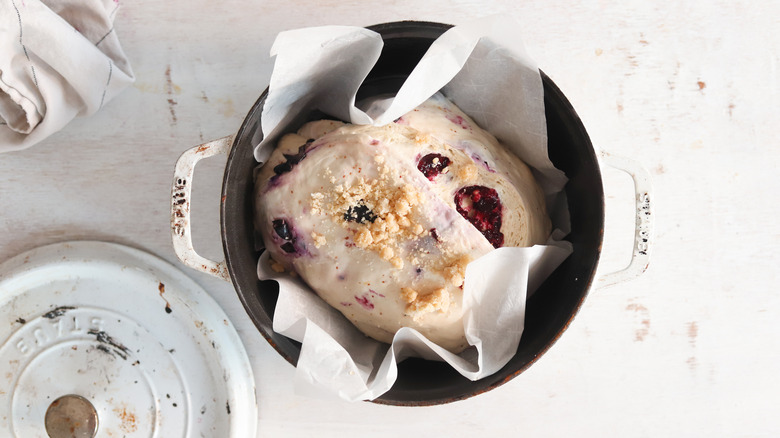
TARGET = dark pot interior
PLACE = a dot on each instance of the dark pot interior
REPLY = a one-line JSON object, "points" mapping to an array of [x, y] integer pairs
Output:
{"points": [[549, 310]]}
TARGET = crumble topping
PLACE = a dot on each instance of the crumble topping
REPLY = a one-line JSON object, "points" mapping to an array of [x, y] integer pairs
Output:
{"points": [[316, 202], [419, 305], [455, 271], [319, 239], [380, 212], [408, 294]]}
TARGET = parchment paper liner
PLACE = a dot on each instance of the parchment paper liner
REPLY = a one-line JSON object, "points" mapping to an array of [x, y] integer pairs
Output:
{"points": [[484, 69]]}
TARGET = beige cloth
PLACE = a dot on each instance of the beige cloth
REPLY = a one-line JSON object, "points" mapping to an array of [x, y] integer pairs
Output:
{"points": [[58, 59]]}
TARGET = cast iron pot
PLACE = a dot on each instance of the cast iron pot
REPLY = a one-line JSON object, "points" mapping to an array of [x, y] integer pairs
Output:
{"points": [[549, 311]]}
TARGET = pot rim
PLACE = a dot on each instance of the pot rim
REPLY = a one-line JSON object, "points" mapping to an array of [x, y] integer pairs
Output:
{"points": [[264, 324]]}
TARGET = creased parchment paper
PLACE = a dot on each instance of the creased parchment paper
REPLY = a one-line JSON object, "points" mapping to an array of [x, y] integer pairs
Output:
{"points": [[484, 69]]}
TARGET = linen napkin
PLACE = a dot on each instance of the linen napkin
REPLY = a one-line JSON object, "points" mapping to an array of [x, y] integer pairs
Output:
{"points": [[58, 59]]}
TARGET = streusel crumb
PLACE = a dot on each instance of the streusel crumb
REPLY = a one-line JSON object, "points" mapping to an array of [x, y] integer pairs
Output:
{"points": [[408, 294], [455, 273], [439, 300], [379, 213], [319, 239]]}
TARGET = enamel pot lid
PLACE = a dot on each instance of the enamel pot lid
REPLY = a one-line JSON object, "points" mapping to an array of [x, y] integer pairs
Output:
{"points": [[103, 340]]}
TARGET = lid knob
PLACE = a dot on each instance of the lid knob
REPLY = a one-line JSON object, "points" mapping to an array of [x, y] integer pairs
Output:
{"points": [[71, 416]]}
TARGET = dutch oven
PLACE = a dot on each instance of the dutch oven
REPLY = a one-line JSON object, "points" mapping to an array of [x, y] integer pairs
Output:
{"points": [[549, 311]]}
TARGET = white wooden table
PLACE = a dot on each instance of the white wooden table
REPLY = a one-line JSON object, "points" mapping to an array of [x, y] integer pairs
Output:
{"points": [[688, 88]]}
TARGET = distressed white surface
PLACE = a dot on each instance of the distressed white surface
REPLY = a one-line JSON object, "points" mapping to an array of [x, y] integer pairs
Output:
{"points": [[689, 88]]}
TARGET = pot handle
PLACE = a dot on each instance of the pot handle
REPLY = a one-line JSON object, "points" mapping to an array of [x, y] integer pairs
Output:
{"points": [[644, 221], [181, 194]]}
